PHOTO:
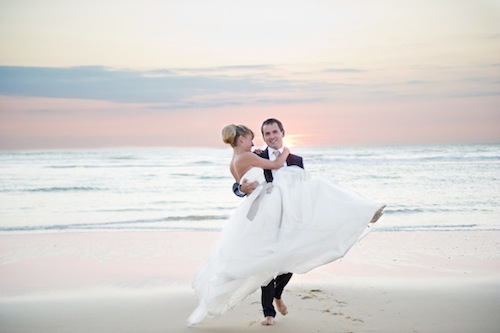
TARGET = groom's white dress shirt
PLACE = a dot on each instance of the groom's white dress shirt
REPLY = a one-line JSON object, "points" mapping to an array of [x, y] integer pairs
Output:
{"points": [[273, 156]]}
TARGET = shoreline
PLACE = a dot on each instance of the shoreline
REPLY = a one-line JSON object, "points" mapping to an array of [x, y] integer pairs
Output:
{"points": [[140, 282]]}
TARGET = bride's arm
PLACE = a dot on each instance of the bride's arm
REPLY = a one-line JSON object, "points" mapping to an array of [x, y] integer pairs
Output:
{"points": [[248, 160], [279, 161]]}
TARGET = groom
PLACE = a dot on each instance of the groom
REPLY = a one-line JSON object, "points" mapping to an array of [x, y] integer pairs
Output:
{"points": [[272, 133]]}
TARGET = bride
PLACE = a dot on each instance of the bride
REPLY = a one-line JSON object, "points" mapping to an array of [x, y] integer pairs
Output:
{"points": [[294, 224]]}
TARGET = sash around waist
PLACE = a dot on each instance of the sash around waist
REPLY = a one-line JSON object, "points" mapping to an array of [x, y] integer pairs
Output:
{"points": [[254, 207]]}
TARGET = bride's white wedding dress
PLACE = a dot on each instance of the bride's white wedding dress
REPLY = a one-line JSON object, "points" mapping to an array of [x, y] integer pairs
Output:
{"points": [[292, 225]]}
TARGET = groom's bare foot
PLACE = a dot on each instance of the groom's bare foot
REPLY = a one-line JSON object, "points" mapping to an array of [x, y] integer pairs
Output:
{"points": [[378, 214], [268, 321], [281, 306]]}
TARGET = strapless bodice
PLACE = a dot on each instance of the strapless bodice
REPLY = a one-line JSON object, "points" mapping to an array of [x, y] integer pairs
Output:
{"points": [[254, 175]]}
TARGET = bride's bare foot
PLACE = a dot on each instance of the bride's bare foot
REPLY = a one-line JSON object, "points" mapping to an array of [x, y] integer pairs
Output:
{"points": [[268, 321], [378, 214], [281, 306]]}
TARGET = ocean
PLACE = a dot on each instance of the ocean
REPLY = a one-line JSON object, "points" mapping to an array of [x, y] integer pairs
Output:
{"points": [[431, 187]]}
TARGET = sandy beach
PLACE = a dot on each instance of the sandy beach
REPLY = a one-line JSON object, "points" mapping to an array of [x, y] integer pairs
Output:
{"points": [[140, 282]]}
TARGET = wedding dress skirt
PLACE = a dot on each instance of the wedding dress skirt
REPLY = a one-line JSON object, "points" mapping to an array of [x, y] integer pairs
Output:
{"points": [[292, 225]]}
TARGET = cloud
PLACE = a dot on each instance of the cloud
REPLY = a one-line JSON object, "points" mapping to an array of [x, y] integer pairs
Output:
{"points": [[216, 69], [344, 70], [182, 88], [113, 85], [211, 87], [416, 82], [221, 102]]}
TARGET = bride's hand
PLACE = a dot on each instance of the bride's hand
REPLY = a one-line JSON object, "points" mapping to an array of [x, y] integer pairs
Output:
{"points": [[286, 151]]}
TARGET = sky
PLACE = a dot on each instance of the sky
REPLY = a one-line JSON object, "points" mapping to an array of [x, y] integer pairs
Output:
{"points": [[123, 73]]}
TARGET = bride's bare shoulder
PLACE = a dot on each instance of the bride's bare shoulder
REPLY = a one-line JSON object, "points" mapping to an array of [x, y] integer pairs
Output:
{"points": [[246, 156]]}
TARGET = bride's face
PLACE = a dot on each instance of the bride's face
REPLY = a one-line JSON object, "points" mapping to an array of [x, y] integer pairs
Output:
{"points": [[247, 142]]}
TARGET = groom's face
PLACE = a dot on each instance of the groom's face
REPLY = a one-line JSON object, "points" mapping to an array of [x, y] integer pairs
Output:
{"points": [[273, 136]]}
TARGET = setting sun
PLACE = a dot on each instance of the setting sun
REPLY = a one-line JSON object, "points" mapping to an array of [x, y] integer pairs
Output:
{"points": [[293, 140]]}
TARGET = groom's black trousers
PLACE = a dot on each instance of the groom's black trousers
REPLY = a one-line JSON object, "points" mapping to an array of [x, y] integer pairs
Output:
{"points": [[273, 290]]}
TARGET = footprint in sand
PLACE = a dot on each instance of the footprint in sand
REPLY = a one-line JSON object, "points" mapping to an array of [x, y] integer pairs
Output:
{"points": [[341, 303], [355, 319], [253, 322], [313, 294]]}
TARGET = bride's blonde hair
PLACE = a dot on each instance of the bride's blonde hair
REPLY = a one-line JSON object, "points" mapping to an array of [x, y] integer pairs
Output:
{"points": [[231, 133]]}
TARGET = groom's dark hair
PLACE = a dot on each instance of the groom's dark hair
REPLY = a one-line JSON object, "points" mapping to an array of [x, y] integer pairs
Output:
{"points": [[271, 121]]}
